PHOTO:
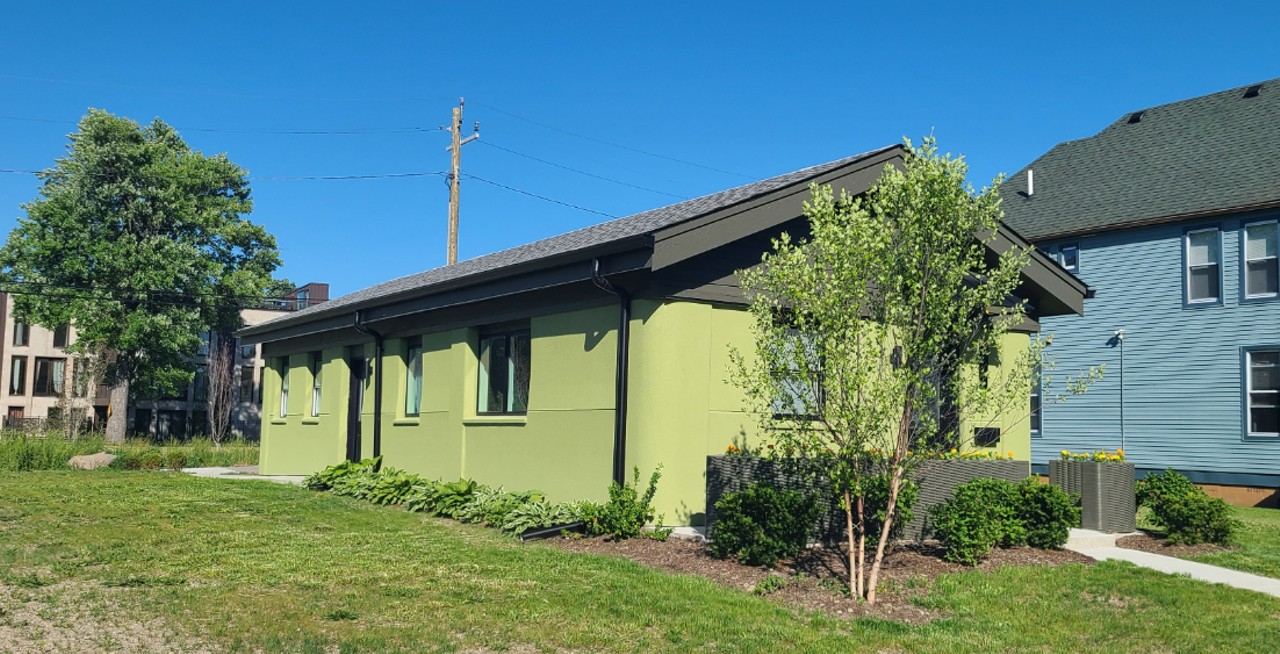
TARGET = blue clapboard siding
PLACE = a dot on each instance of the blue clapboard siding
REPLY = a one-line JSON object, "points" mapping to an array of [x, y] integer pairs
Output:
{"points": [[1184, 401]]}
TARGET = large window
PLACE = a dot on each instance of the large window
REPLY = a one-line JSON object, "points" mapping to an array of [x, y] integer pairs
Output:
{"points": [[1204, 266], [504, 373], [21, 332], [798, 394], [49, 377], [1262, 392], [413, 376], [1261, 274], [18, 376], [284, 386], [317, 361]]}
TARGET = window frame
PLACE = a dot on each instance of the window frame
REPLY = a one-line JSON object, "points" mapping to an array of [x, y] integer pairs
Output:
{"points": [[62, 333], [35, 377], [1035, 417], [1244, 262], [1062, 257], [1246, 368], [1187, 302], [284, 387], [411, 357], [809, 339], [510, 336], [317, 383], [23, 330], [21, 375]]}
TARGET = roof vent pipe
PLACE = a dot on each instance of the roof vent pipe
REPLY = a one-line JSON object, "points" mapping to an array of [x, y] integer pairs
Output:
{"points": [[1031, 182]]}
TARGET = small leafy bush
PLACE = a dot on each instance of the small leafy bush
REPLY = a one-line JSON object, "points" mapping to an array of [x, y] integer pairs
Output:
{"points": [[391, 486], [175, 459], [150, 460], [761, 525], [1187, 514], [538, 515], [627, 511], [1048, 513], [877, 505], [325, 479]]}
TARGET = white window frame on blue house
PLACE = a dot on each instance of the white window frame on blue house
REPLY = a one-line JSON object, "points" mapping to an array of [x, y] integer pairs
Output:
{"points": [[1251, 394], [1266, 258], [1071, 266], [1187, 266]]}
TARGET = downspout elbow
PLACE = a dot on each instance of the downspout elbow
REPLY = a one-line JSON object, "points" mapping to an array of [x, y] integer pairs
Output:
{"points": [[620, 383]]}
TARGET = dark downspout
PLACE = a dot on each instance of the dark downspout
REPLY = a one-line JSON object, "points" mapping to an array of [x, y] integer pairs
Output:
{"points": [[377, 383], [620, 384]]}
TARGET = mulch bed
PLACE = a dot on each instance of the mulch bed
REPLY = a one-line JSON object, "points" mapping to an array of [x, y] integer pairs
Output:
{"points": [[812, 580], [1157, 545]]}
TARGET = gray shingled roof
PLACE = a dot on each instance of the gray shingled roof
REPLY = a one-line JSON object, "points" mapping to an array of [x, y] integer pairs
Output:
{"points": [[1210, 153], [619, 229]]}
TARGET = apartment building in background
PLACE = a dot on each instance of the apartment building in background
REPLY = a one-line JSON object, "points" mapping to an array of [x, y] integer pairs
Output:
{"points": [[41, 378]]}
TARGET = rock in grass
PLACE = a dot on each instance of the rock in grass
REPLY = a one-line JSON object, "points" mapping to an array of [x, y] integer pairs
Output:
{"points": [[91, 461]]}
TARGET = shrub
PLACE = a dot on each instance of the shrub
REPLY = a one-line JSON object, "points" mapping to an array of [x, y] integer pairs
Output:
{"points": [[982, 514], [1187, 514], [391, 486], [150, 460], [538, 515], [761, 525], [175, 459], [877, 504], [325, 479], [1048, 513], [627, 511]]}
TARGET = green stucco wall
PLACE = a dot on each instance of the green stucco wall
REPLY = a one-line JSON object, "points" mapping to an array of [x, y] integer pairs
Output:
{"points": [[682, 407]]}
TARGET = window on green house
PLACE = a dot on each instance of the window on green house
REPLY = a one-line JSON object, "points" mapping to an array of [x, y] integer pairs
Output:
{"points": [[504, 373], [284, 386], [1034, 416], [412, 376], [316, 363], [798, 379]]}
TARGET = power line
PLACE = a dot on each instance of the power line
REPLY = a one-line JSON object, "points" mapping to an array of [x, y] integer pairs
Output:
{"points": [[294, 178], [224, 94], [540, 197], [252, 130], [615, 145], [581, 172]]}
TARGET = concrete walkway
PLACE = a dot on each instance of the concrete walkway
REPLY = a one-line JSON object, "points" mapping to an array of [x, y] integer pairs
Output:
{"points": [[1102, 547], [242, 474]]}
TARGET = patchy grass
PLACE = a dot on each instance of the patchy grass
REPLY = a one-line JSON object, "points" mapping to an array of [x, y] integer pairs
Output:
{"points": [[23, 452], [246, 566], [1257, 544]]}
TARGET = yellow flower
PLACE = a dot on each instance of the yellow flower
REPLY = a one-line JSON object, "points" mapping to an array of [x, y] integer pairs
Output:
{"points": [[1011, 454], [953, 450]]}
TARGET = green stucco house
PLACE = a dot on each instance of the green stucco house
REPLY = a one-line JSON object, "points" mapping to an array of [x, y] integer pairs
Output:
{"points": [[561, 364]]}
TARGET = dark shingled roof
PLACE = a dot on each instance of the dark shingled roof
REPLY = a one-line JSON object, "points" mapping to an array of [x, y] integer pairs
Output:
{"points": [[1213, 153], [619, 229]]}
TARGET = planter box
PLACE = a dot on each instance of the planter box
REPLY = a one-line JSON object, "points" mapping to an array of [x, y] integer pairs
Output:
{"points": [[1106, 490], [937, 480]]}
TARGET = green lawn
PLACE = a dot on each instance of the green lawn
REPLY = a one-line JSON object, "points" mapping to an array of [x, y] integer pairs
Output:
{"points": [[252, 566], [1258, 544]]}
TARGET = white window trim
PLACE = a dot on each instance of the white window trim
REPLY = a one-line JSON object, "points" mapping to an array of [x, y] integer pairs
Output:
{"points": [[1244, 259], [317, 368], [1248, 393], [1187, 265], [1062, 257], [284, 389]]}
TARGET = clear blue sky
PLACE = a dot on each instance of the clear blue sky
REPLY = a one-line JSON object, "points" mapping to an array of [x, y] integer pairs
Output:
{"points": [[752, 88]]}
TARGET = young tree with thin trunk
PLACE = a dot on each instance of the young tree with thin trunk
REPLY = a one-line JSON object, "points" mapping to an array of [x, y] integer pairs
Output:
{"points": [[221, 372], [869, 328], [141, 243]]}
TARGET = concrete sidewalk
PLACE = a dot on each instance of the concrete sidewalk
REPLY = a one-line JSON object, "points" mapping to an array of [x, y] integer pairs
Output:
{"points": [[1102, 547], [231, 473]]}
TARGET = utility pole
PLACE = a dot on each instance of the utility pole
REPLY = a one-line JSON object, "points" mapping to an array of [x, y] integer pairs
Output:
{"points": [[454, 174]]}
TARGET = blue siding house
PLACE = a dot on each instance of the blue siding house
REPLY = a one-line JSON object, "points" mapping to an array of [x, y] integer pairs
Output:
{"points": [[1169, 214]]}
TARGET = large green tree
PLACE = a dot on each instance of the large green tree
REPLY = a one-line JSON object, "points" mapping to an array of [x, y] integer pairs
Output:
{"points": [[872, 335], [142, 244]]}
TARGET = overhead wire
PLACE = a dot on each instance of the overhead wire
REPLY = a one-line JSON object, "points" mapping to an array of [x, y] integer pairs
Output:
{"points": [[536, 195], [491, 144]]}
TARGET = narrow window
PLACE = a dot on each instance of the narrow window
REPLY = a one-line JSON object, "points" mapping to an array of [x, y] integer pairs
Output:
{"points": [[412, 376], [316, 362], [1037, 388], [1069, 256], [60, 336], [797, 394], [246, 383], [284, 386], [1263, 392], [1204, 276], [18, 376], [201, 384], [49, 377], [1261, 275], [504, 373], [20, 333]]}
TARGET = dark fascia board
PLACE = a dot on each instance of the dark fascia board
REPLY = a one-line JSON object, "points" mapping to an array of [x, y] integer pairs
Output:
{"points": [[1164, 220], [693, 237], [539, 279], [1054, 291]]}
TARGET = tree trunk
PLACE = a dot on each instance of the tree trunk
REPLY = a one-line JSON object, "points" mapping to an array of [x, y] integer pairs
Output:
{"points": [[895, 483], [855, 570], [862, 542], [119, 413]]}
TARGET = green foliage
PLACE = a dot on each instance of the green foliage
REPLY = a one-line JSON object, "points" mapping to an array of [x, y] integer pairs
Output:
{"points": [[154, 236], [769, 585], [627, 511], [26, 452], [538, 515], [325, 479], [876, 498], [986, 513], [1048, 513], [1186, 513], [761, 525]]}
